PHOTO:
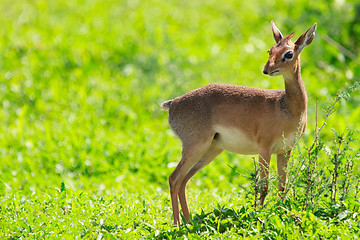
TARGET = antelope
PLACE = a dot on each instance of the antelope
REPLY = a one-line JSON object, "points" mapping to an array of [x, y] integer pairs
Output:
{"points": [[242, 120]]}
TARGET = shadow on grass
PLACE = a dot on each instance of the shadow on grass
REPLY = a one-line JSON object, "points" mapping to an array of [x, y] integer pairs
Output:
{"points": [[278, 221], [218, 221]]}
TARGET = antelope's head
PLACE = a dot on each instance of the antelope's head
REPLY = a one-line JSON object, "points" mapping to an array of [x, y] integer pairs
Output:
{"points": [[284, 55]]}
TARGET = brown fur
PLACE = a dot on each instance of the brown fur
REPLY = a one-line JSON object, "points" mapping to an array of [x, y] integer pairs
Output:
{"points": [[240, 119]]}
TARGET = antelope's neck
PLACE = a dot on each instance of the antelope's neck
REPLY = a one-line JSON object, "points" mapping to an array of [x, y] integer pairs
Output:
{"points": [[295, 92]]}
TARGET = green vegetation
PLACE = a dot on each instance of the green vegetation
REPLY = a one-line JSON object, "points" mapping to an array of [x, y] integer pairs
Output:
{"points": [[86, 150]]}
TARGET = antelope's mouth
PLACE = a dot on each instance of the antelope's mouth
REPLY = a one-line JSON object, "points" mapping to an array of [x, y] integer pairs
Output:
{"points": [[274, 73]]}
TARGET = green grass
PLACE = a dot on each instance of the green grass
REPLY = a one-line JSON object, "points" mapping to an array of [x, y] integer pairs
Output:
{"points": [[85, 150]]}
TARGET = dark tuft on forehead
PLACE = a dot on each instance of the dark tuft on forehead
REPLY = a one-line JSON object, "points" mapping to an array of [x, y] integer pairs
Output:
{"points": [[285, 40]]}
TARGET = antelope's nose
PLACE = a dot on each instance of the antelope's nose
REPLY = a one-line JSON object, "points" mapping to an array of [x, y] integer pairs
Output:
{"points": [[266, 67]]}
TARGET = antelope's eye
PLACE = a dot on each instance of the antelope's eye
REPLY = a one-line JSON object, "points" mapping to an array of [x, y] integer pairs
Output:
{"points": [[288, 55]]}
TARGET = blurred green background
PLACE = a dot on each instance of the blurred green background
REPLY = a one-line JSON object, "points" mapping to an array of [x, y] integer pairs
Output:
{"points": [[81, 83]]}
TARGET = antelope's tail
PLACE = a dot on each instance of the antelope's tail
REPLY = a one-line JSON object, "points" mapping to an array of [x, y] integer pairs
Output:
{"points": [[166, 105]]}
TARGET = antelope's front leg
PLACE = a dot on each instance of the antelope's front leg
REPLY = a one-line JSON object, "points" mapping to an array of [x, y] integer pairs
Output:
{"points": [[282, 162], [264, 160]]}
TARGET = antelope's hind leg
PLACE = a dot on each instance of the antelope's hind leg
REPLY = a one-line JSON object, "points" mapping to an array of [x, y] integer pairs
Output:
{"points": [[207, 158], [191, 154]]}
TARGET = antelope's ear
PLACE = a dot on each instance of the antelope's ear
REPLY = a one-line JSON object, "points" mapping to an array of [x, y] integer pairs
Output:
{"points": [[305, 39], [277, 34]]}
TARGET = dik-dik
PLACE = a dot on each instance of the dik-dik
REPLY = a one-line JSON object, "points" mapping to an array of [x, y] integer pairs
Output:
{"points": [[241, 119]]}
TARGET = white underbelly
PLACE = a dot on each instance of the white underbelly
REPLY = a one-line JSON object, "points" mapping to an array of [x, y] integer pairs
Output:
{"points": [[233, 140]]}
